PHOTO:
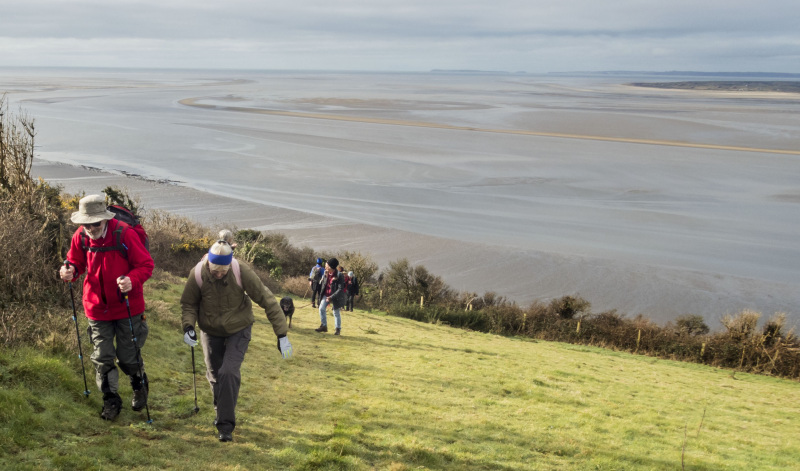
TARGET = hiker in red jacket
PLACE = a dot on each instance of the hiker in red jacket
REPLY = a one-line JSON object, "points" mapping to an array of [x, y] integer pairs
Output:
{"points": [[115, 261]]}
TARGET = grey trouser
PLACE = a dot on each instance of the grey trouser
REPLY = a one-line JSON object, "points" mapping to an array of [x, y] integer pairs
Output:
{"points": [[102, 334], [224, 357]]}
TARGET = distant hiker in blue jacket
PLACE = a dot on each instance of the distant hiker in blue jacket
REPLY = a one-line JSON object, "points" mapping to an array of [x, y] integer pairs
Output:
{"points": [[314, 279]]}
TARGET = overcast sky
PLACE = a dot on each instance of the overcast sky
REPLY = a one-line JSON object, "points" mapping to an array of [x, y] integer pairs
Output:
{"points": [[405, 35]]}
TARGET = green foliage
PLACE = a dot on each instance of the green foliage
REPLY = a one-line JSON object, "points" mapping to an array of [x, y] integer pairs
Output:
{"points": [[692, 324], [248, 235], [568, 307], [252, 248], [362, 266], [406, 284], [117, 196]]}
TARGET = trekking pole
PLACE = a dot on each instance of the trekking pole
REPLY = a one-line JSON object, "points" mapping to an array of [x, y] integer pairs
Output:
{"points": [[138, 356], [77, 333], [194, 380], [307, 288]]}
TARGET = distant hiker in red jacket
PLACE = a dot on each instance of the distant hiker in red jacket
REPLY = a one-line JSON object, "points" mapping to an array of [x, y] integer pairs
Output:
{"points": [[115, 261]]}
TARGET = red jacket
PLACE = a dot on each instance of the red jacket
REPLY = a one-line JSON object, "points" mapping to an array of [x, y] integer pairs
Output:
{"points": [[101, 298]]}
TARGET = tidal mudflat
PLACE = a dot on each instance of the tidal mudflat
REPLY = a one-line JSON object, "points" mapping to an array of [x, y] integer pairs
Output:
{"points": [[661, 202]]}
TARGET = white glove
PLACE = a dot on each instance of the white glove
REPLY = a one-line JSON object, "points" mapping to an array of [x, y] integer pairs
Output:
{"points": [[190, 337], [285, 347]]}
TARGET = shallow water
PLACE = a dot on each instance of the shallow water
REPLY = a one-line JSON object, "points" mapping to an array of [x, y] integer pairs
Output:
{"points": [[662, 228]]}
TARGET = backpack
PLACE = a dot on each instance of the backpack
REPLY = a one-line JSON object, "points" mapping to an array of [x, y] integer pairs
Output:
{"points": [[316, 273], [237, 271], [126, 219]]}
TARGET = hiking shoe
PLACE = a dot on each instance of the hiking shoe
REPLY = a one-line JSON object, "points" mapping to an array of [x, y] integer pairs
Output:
{"points": [[139, 399], [338, 332], [112, 404], [226, 436], [322, 328], [141, 387]]}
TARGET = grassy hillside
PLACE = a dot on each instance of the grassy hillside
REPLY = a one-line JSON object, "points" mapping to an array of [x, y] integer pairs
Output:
{"points": [[395, 394]]}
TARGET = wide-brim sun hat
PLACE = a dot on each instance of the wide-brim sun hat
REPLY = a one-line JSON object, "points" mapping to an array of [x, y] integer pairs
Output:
{"points": [[91, 209]]}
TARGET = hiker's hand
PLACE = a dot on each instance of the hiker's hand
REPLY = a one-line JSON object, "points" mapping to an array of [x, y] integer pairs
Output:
{"points": [[124, 284], [189, 336], [285, 347], [67, 273]]}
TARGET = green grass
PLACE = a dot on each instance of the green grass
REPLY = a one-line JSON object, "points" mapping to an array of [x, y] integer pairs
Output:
{"points": [[391, 393]]}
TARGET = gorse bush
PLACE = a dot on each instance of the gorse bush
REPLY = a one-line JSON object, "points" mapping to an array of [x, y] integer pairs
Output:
{"points": [[33, 235], [32, 218]]}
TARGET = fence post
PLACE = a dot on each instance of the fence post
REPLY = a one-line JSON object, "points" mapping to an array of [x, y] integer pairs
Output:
{"points": [[741, 362], [422, 302], [578, 329], [638, 339]]}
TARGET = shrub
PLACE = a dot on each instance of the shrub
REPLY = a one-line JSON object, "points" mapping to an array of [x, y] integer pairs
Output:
{"points": [[568, 307], [741, 326], [773, 329], [505, 319], [258, 255], [177, 243], [692, 324], [297, 285], [361, 265], [405, 284]]}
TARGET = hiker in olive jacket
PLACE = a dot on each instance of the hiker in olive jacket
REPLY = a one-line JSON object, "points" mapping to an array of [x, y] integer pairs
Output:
{"points": [[217, 298]]}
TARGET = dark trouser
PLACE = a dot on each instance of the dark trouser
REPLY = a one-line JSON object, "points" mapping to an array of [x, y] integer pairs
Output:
{"points": [[316, 293], [224, 357], [102, 334], [348, 306]]}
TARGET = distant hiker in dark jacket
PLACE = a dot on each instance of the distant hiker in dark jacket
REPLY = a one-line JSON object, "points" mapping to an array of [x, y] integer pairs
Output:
{"points": [[352, 290], [218, 300], [333, 295], [314, 279], [111, 270]]}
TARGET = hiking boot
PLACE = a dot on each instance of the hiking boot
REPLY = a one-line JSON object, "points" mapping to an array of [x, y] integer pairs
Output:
{"points": [[322, 328], [112, 404], [338, 332], [226, 436], [140, 390], [139, 399]]}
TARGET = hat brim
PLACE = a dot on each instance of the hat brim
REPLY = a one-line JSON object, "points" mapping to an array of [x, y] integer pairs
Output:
{"points": [[81, 218]]}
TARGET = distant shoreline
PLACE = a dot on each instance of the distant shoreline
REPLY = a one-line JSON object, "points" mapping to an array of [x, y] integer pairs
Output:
{"points": [[726, 85]]}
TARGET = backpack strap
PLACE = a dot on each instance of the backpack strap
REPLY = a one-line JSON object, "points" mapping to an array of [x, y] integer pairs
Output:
{"points": [[237, 272], [120, 246]]}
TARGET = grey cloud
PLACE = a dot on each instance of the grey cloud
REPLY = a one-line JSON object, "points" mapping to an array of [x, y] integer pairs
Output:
{"points": [[417, 33]]}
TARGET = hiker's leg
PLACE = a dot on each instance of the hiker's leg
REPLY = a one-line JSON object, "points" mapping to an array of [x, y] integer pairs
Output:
{"points": [[101, 333], [229, 379], [213, 353]]}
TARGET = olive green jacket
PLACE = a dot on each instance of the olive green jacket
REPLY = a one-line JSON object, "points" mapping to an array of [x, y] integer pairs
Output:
{"points": [[222, 308]]}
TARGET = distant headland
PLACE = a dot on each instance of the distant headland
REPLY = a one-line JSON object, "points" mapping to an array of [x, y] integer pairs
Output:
{"points": [[727, 85]]}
